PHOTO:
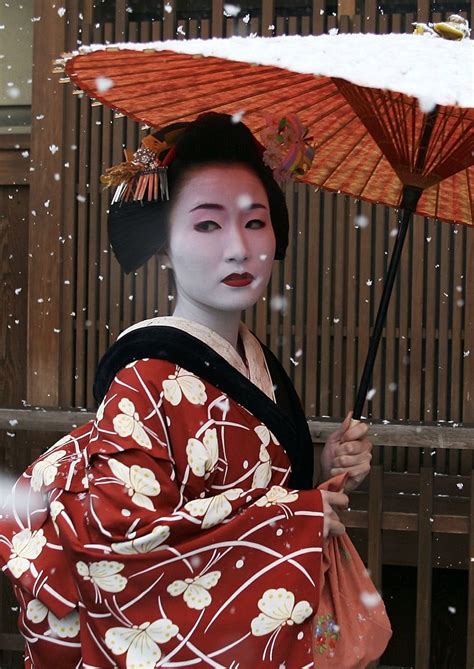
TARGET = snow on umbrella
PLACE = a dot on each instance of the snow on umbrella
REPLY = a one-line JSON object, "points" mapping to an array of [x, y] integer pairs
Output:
{"points": [[391, 116]]}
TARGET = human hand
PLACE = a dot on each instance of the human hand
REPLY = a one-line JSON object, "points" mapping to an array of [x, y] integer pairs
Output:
{"points": [[332, 500], [347, 450]]}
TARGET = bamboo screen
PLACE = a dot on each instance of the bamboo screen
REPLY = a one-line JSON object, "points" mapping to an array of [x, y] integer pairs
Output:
{"points": [[321, 302]]}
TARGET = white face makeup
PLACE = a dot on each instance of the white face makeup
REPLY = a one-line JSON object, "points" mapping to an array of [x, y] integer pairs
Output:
{"points": [[221, 225]]}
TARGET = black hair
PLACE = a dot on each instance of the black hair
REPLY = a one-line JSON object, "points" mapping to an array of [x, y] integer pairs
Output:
{"points": [[138, 230]]}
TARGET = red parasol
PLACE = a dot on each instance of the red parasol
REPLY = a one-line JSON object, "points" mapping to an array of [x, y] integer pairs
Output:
{"points": [[391, 116]]}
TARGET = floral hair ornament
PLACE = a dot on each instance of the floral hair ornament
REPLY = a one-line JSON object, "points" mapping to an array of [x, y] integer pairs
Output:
{"points": [[287, 149], [143, 175]]}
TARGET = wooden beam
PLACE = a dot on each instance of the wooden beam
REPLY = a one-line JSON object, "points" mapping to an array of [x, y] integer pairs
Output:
{"points": [[46, 207], [408, 436]]}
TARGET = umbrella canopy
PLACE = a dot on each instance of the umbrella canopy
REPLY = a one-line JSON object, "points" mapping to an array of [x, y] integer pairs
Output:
{"points": [[391, 116], [366, 99]]}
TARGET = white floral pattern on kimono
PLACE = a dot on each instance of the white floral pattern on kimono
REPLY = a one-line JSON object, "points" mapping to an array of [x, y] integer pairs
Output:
{"points": [[154, 531]]}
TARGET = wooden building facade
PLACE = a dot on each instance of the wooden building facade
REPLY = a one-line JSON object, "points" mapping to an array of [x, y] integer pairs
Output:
{"points": [[65, 300]]}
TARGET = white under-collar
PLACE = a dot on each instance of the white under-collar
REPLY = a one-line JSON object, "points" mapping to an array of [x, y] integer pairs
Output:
{"points": [[254, 368]]}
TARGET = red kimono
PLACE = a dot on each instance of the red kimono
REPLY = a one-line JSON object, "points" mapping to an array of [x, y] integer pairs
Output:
{"points": [[167, 532]]}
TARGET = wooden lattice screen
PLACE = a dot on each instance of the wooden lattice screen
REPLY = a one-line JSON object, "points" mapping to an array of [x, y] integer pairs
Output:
{"points": [[324, 295]]}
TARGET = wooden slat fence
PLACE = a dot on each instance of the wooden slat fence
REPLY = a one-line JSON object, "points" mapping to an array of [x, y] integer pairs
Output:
{"points": [[321, 303]]}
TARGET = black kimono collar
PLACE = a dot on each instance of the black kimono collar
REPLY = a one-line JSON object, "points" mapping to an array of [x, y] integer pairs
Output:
{"points": [[285, 419]]}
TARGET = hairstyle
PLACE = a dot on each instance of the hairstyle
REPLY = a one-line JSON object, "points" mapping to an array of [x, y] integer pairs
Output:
{"points": [[138, 230]]}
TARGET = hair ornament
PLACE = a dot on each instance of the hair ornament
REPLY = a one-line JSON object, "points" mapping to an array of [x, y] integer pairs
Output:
{"points": [[287, 149], [143, 174]]}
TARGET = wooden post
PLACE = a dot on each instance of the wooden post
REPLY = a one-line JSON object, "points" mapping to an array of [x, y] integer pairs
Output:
{"points": [[374, 530], [267, 17], [423, 11], [46, 208], [423, 581], [318, 16], [346, 7], [470, 595], [169, 20], [217, 20]]}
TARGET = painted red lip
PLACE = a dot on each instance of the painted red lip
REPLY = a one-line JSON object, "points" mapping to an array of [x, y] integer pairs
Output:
{"points": [[238, 279]]}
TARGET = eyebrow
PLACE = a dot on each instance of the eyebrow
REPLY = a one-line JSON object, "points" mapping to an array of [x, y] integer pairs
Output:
{"points": [[210, 205]]}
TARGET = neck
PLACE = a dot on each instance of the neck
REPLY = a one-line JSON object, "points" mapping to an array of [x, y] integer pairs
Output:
{"points": [[224, 323]]}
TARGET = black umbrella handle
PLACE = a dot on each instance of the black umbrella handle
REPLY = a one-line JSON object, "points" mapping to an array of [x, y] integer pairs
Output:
{"points": [[411, 195]]}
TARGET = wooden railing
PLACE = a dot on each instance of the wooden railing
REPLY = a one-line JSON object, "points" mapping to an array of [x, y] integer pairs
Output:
{"points": [[393, 519]]}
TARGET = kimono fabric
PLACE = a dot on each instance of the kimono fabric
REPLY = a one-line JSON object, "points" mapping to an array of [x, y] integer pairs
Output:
{"points": [[179, 528]]}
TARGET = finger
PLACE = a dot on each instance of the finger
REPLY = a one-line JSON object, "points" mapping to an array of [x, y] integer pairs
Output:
{"points": [[349, 461], [356, 475], [353, 447], [355, 432], [342, 429], [337, 528], [336, 499], [363, 468]]}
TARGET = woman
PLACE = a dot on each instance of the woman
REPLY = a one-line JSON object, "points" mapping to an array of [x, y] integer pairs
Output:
{"points": [[180, 527]]}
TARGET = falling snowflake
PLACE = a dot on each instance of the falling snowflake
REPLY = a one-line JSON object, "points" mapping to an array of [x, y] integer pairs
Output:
{"points": [[168, 8], [246, 18], [427, 102], [370, 599], [237, 117], [231, 10], [244, 201], [371, 393], [54, 148], [103, 84], [278, 303], [361, 221]]}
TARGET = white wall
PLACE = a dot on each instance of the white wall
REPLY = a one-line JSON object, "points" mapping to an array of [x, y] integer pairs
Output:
{"points": [[16, 52]]}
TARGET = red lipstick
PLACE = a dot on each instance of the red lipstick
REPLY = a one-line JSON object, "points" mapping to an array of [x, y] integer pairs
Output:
{"points": [[238, 280]]}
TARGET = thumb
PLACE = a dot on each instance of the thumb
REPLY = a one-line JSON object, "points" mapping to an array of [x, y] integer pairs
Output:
{"points": [[342, 429]]}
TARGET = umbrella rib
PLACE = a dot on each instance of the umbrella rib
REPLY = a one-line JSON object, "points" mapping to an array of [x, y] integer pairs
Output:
{"points": [[375, 100], [451, 149], [403, 138]]}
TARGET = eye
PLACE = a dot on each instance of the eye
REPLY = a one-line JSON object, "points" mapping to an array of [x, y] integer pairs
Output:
{"points": [[261, 224], [201, 227]]}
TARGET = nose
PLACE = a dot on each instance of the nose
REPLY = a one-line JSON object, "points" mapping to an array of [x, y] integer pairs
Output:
{"points": [[238, 247]]}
